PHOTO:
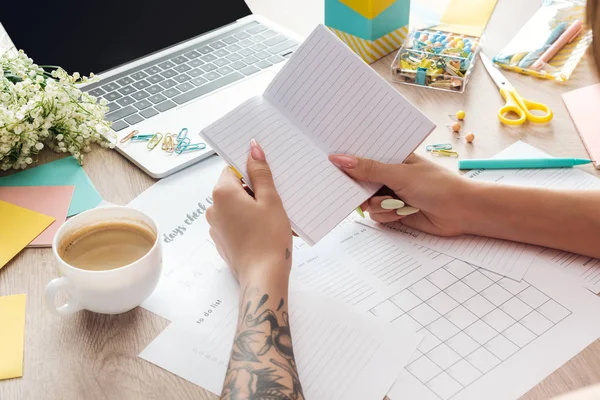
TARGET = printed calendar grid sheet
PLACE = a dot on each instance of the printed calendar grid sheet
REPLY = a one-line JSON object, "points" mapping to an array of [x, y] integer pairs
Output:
{"points": [[472, 321]]}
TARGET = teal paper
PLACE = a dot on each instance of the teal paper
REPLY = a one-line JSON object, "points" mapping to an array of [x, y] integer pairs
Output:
{"points": [[64, 172], [341, 17]]}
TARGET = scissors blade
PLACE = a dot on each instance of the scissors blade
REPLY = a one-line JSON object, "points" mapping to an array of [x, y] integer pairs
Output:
{"points": [[496, 75]]}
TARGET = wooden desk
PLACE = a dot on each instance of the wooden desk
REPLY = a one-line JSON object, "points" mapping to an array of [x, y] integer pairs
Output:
{"points": [[90, 356]]}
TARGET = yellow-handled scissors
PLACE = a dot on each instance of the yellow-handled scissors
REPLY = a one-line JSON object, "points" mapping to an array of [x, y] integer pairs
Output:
{"points": [[514, 102]]}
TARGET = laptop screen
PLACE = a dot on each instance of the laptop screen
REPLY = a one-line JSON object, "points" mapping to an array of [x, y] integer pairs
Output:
{"points": [[94, 36]]}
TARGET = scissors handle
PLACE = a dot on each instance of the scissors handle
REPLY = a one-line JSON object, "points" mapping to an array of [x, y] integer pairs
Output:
{"points": [[511, 106]]}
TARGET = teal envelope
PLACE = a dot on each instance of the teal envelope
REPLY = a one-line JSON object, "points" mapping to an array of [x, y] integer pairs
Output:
{"points": [[64, 172]]}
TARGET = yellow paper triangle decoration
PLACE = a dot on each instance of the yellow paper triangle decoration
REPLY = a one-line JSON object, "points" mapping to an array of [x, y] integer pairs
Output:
{"points": [[369, 8]]}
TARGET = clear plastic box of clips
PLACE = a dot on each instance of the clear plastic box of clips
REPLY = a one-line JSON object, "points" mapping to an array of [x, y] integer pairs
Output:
{"points": [[436, 59]]}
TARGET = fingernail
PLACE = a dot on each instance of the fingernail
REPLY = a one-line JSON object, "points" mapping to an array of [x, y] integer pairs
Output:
{"points": [[392, 204], [404, 211], [256, 151], [343, 161]]}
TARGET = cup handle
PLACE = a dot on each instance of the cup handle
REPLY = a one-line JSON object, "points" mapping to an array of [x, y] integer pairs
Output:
{"points": [[70, 307]]}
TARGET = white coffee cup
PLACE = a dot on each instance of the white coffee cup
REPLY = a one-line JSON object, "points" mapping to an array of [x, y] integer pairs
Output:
{"points": [[113, 291]]}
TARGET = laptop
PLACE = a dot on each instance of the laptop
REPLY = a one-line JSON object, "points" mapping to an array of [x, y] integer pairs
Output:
{"points": [[162, 65]]}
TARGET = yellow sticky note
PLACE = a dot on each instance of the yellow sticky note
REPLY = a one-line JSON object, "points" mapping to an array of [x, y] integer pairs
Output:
{"points": [[18, 228], [456, 20], [12, 335]]}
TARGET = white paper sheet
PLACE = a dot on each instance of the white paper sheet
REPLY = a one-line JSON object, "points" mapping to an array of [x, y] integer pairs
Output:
{"points": [[340, 354], [485, 336], [585, 268], [178, 203]]}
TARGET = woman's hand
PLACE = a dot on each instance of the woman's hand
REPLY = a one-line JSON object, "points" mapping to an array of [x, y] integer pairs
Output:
{"points": [[253, 235], [441, 195]]}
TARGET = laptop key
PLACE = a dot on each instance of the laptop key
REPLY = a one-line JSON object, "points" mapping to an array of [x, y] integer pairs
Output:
{"points": [[154, 89], [182, 78], [218, 45], [250, 60], [195, 63], [122, 113], [192, 54], [206, 49], [207, 88], [234, 57], [148, 112], [198, 81], [171, 92], [208, 67], [165, 105], [258, 47], [125, 101], [156, 78], [221, 62], [112, 96], [166, 65], [141, 84], [182, 68], [152, 70], [134, 119], [126, 90], [230, 39], [274, 40], [109, 87], [157, 98], [221, 53], [276, 59], [139, 75], [234, 47], [257, 29], [142, 105], [209, 58], [184, 87], [119, 125], [282, 46], [142, 94], [169, 83], [96, 92], [225, 70], [246, 43], [195, 72], [169, 73], [262, 55], [125, 81], [246, 52], [237, 65], [268, 34], [249, 70], [242, 35], [263, 64], [113, 107], [211, 76], [179, 60]]}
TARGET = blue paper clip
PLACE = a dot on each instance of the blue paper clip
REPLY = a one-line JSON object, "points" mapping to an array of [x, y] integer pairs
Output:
{"points": [[192, 147], [443, 146], [182, 145], [141, 138], [182, 134]]}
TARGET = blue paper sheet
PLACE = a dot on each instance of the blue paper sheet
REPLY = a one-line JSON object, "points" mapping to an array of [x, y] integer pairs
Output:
{"points": [[64, 172]]}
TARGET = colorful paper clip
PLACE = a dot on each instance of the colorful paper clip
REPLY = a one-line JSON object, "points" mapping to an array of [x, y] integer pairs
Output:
{"points": [[444, 153], [192, 147], [154, 140], [182, 134], [131, 134], [168, 144], [442, 146], [182, 144], [141, 138]]}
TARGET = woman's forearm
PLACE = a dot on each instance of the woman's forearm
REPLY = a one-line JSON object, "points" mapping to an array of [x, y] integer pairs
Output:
{"points": [[262, 363], [565, 220]]}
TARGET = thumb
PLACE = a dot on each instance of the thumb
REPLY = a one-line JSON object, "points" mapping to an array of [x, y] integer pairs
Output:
{"points": [[367, 170], [259, 172]]}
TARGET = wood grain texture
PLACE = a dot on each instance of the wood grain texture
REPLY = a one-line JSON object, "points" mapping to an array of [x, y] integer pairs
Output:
{"points": [[90, 356]]}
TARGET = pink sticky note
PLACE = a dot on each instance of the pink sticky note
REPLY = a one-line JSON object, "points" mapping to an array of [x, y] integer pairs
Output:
{"points": [[49, 200], [582, 104]]}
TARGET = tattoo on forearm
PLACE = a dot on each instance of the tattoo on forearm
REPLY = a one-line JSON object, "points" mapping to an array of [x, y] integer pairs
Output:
{"points": [[262, 365]]}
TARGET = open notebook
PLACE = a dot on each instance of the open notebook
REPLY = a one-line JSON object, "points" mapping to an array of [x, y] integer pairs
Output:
{"points": [[325, 100]]}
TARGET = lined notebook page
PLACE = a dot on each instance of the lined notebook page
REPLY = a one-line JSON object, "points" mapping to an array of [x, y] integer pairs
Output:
{"points": [[343, 105], [315, 194]]}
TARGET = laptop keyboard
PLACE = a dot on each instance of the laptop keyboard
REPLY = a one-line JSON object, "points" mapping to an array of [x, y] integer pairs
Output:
{"points": [[156, 87]]}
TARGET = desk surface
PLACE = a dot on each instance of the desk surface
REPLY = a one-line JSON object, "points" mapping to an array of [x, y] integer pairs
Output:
{"points": [[95, 357]]}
